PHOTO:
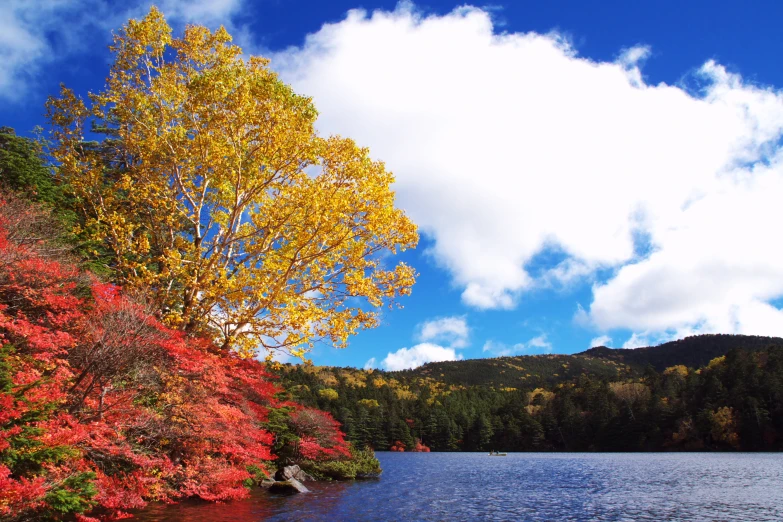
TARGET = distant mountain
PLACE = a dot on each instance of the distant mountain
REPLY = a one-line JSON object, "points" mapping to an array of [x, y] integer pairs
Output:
{"points": [[693, 352], [525, 371], [603, 399]]}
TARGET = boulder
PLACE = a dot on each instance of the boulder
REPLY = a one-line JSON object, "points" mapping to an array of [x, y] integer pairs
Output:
{"points": [[267, 483], [287, 472], [294, 472], [288, 487], [303, 476]]}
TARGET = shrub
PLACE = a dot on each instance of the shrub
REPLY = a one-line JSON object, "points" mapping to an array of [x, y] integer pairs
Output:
{"points": [[361, 464]]}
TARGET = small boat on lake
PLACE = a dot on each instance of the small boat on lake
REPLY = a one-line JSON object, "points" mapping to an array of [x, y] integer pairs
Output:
{"points": [[497, 454]]}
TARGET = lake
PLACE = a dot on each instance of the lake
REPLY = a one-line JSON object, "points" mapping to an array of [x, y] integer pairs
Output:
{"points": [[526, 486]]}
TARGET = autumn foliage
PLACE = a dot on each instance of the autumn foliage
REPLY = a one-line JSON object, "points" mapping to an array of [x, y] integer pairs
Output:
{"points": [[418, 447], [213, 192], [103, 408], [229, 228]]}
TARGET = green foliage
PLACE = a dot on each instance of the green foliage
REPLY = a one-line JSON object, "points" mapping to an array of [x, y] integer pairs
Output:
{"points": [[23, 170], [26, 452], [527, 371], [330, 470], [74, 495], [329, 393], [278, 423], [694, 351], [257, 475], [362, 464], [25, 173]]}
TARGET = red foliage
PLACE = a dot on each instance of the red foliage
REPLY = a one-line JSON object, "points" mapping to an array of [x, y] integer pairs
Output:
{"points": [[420, 447], [155, 415], [17, 495], [397, 446], [319, 435]]}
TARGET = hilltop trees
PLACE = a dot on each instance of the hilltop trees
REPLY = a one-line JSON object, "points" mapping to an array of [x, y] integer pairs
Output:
{"points": [[733, 402], [213, 193]]}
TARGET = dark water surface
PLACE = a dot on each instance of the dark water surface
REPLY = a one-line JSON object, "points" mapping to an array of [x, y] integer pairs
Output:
{"points": [[525, 486]]}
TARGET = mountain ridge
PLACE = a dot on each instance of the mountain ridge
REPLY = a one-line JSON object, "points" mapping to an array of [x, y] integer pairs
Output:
{"points": [[692, 351]]}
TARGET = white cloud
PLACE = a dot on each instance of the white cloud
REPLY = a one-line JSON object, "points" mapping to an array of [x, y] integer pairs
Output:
{"points": [[413, 357], [24, 47], [638, 340], [208, 12], [36, 33], [538, 344], [507, 145], [451, 331], [602, 340], [370, 364]]}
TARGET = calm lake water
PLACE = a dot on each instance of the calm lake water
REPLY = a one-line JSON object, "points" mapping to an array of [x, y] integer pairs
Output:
{"points": [[524, 486]]}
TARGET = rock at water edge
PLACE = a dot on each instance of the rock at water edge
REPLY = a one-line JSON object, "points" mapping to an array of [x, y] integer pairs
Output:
{"points": [[288, 487], [294, 472]]}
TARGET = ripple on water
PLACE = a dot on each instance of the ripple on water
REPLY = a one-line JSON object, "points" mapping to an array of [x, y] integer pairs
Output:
{"points": [[526, 486]]}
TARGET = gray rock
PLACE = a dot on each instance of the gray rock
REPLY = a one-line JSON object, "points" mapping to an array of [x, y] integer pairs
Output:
{"points": [[267, 483], [288, 487], [303, 476], [294, 472], [287, 472]]}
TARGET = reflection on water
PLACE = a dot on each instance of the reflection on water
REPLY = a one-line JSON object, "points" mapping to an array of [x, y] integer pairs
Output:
{"points": [[472, 486]]}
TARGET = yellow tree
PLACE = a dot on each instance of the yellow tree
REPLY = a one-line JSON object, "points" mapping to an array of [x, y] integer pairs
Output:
{"points": [[213, 190]]}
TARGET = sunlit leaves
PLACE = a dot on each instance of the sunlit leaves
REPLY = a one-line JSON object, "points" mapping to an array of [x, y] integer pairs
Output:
{"points": [[213, 189]]}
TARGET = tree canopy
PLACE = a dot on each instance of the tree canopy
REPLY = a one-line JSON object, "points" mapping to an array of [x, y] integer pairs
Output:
{"points": [[211, 187]]}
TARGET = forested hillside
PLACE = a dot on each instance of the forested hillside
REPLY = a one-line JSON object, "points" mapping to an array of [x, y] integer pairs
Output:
{"points": [[694, 351], [599, 400]]}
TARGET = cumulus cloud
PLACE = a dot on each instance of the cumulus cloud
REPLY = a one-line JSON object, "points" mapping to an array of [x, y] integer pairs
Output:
{"points": [[637, 341], [506, 146], [602, 340], [24, 46], [538, 344], [370, 364], [450, 331], [413, 357], [36, 33], [438, 338]]}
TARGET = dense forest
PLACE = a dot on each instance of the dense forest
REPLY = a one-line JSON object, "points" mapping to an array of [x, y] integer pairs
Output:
{"points": [[650, 399]]}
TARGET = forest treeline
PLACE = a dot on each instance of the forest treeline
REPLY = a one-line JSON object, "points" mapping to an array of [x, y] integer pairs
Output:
{"points": [[585, 402]]}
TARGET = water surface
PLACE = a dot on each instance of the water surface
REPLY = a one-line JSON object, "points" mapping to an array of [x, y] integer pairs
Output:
{"points": [[526, 486]]}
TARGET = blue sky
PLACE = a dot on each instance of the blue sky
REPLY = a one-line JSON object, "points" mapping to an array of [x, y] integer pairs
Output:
{"points": [[603, 172]]}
